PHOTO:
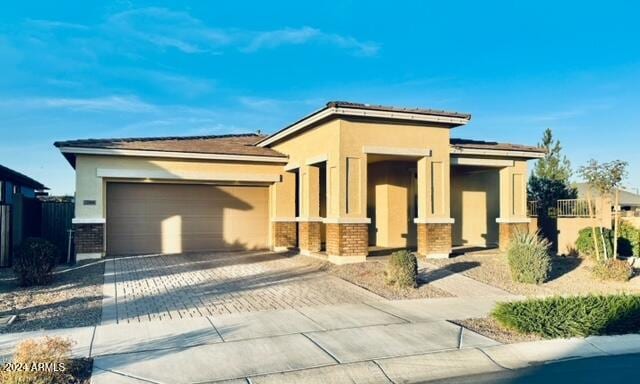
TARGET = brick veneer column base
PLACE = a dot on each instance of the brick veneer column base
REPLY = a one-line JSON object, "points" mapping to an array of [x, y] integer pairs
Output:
{"points": [[309, 238], [507, 230], [89, 240], [434, 240], [347, 243], [284, 234]]}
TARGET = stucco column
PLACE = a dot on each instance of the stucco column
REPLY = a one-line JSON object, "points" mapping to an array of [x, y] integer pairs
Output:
{"points": [[89, 223], [433, 221], [513, 203], [347, 225], [284, 226], [309, 221]]}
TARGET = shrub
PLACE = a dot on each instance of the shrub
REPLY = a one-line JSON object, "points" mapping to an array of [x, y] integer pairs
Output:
{"points": [[572, 316], [54, 352], [529, 259], [584, 243], [628, 239], [34, 261], [402, 270], [613, 269]]}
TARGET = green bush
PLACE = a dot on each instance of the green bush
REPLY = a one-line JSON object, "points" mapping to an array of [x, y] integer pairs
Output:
{"points": [[628, 240], [402, 270], [529, 259], [34, 261], [572, 316], [584, 243], [613, 269]]}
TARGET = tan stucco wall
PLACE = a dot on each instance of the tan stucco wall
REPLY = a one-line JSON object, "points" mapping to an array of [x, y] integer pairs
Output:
{"points": [[635, 221], [568, 227], [357, 133], [318, 142], [475, 205], [341, 141], [282, 197], [513, 190], [91, 187]]}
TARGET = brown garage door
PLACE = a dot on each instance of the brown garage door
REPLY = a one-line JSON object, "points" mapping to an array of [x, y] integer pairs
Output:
{"points": [[175, 218]]}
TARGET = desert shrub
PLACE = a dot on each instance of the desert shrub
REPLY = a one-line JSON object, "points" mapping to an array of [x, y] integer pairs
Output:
{"points": [[402, 270], [584, 243], [53, 352], [572, 316], [613, 269], [628, 239], [34, 261], [528, 256]]}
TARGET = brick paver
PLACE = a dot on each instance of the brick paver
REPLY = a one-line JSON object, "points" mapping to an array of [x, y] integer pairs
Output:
{"points": [[149, 288]]}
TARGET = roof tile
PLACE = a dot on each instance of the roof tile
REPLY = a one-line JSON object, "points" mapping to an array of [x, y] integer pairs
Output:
{"points": [[239, 144]]}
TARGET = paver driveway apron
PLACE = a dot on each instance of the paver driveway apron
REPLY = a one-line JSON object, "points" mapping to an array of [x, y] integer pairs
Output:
{"points": [[159, 287]]}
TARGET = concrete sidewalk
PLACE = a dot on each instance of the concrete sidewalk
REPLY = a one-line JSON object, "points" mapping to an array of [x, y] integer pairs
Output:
{"points": [[380, 342], [457, 284]]}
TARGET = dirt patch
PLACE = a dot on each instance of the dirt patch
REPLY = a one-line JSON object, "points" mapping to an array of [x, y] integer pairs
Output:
{"points": [[492, 329], [569, 275], [370, 276], [73, 299]]}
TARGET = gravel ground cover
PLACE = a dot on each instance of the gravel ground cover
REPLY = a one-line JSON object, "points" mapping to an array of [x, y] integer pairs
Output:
{"points": [[370, 275], [74, 299], [490, 328], [569, 275]]}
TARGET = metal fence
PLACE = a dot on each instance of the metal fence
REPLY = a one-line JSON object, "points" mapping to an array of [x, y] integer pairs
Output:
{"points": [[5, 235], [56, 224], [532, 208], [574, 208]]}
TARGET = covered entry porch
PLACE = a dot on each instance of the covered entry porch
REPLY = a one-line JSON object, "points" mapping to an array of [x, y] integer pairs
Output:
{"points": [[404, 198]]}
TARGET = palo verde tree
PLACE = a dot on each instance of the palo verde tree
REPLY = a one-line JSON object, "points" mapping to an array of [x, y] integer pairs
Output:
{"points": [[605, 179], [549, 182]]}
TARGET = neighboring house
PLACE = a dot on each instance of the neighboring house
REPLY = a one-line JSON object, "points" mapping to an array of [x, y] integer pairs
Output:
{"points": [[337, 181], [17, 204], [628, 201]]}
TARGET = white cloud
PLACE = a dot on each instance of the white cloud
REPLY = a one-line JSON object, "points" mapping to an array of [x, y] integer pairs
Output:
{"points": [[54, 24], [164, 28], [109, 103], [358, 47], [276, 38]]}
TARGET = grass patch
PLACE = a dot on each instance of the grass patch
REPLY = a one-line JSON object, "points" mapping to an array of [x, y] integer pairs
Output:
{"points": [[572, 316]]}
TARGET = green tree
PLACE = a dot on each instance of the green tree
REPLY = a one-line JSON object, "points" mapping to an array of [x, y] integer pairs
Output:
{"points": [[605, 179], [549, 182], [554, 165]]}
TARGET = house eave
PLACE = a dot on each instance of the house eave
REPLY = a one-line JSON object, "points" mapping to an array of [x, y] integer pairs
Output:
{"points": [[72, 151], [497, 153], [328, 112]]}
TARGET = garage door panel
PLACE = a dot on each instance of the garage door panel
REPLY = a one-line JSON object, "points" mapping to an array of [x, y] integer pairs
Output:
{"points": [[174, 218]]}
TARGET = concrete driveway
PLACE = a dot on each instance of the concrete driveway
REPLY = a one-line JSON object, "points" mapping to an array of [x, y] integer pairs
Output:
{"points": [[171, 287]]}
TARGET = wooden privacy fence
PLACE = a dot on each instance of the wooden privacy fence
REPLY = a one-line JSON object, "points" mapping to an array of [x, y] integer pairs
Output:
{"points": [[33, 218], [5, 235], [55, 225]]}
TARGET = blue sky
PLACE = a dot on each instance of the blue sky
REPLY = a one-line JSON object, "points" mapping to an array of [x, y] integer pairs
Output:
{"points": [[134, 68]]}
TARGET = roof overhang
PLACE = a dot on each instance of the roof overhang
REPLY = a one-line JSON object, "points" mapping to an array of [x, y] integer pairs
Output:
{"points": [[497, 153], [331, 111], [9, 174], [70, 152]]}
